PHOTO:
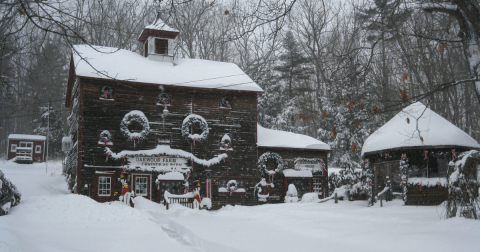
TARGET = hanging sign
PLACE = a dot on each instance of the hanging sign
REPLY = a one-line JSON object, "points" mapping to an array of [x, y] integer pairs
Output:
{"points": [[165, 162], [312, 164]]}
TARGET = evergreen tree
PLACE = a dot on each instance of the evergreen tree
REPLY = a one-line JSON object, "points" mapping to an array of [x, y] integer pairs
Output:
{"points": [[9, 195], [49, 123], [294, 74], [347, 122]]}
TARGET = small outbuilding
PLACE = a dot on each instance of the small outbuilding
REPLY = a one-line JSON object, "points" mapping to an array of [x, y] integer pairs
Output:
{"points": [[26, 148], [287, 158], [411, 153]]}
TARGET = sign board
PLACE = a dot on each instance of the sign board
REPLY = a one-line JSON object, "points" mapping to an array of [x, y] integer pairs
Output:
{"points": [[308, 164], [164, 162]]}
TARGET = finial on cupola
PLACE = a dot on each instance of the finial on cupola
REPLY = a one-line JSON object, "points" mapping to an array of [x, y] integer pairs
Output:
{"points": [[158, 38]]}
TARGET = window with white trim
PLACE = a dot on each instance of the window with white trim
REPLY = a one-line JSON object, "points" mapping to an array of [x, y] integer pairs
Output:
{"points": [[26, 144], [13, 148], [38, 148], [104, 186], [317, 186], [141, 186]]}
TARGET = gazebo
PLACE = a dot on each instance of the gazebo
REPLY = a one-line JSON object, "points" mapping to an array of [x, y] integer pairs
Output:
{"points": [[411, 152]]}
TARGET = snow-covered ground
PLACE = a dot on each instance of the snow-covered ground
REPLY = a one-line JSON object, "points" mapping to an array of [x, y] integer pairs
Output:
{"points": [[51, 219]]}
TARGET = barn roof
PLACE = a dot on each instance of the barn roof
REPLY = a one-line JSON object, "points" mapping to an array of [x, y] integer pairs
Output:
{"points": [[435, 130], [287, 140], [26, 137], [120, 64]]}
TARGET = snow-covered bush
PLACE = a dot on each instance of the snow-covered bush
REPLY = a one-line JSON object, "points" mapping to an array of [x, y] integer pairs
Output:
{"points": [[9, 195], [463, 192], [292, 194], [348, 184]]}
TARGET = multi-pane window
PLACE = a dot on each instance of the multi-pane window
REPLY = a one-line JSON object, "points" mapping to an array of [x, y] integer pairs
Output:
{"points": [[104, 186], [173, 187], [26, 144], [161, 46], [13, 148], [317, 186], [141, 186], [38, 149]]}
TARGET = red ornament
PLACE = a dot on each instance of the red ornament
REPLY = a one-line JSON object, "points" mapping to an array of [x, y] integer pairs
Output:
{"points": [[419, 186], [105, 143], [105, 94], [404, 156]]}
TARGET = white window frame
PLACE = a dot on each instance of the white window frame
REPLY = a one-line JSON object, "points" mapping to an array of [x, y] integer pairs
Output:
{"points": [[317, 189], [137, 178], [149, 185], [38, 149], [107, 184], [26, 144], [13, 148]]}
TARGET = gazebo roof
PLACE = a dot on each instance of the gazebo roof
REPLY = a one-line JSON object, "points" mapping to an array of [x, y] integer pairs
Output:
{"points": [[413, 124]]}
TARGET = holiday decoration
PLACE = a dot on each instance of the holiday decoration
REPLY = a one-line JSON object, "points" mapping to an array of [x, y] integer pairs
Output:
{"points": [[426, 156], [300, 164], [125, 189], [105, 138], [226, 143], [106, 93], [135, 116], [262, 162], [404, 172], [187, 125], [225, 102], [453, 153], [232, 186], [163, 99], [196, 198]]}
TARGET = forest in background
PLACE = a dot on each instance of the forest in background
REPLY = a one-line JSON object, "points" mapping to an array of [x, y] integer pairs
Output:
{"points": [[333, 70]]}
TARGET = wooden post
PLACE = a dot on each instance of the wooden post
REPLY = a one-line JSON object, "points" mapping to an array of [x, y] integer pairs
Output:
{"points": [[381, 200], [336, 198]]}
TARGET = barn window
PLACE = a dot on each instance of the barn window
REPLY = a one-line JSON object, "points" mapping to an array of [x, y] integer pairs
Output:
{"points": [[106, 93], [172, 186], [161, 46], [104, 186], [141, 184], [26, 144], [231, 186], [163, 99], [38, 148], [13, 148], [225, 102], [317, 186]]}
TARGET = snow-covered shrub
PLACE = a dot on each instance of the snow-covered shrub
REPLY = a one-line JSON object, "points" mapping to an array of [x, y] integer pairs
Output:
{"points": [[349, 184], [9, 195], [463, 192]]}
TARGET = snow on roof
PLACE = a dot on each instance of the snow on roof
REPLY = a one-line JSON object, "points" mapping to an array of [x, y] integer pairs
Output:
{"points": [[434, 129], [283, 139], [171, 176], [161, 26], [120, 64], [26, 137]]}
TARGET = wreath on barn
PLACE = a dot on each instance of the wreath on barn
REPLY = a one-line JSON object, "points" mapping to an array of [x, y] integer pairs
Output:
{"points": [[187, 124], [232, 185], [105, 137], [135, 116], [262, 162]]}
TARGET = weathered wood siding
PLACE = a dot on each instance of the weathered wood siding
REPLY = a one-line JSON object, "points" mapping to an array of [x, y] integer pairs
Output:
{"points": [[239, 122]]}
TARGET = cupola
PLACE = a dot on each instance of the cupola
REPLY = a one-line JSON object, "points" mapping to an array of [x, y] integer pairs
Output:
{"points": [[159, 40]]}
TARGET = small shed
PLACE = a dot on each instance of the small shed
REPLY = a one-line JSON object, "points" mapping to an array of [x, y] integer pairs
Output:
{"points": [[411, 153], [26, 148], [288, 158]]}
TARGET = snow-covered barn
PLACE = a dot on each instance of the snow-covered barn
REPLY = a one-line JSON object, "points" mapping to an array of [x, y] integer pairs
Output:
{"points": [[289, 158], [26, 148], [161, 124], [413, 151]]}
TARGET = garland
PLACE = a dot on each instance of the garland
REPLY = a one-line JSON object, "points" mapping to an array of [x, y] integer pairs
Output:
{"points": [[404, 171], [134, 116], [262, 161], [187, 124]]}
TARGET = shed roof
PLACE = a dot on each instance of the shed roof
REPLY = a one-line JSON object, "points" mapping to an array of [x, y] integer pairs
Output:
{"points": [[289, 140], [26, 137], [435, 130], [120, 64]]}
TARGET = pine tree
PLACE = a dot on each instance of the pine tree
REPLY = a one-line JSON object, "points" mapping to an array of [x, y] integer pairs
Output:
{"points": [[294, 74], [49, 122]]}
